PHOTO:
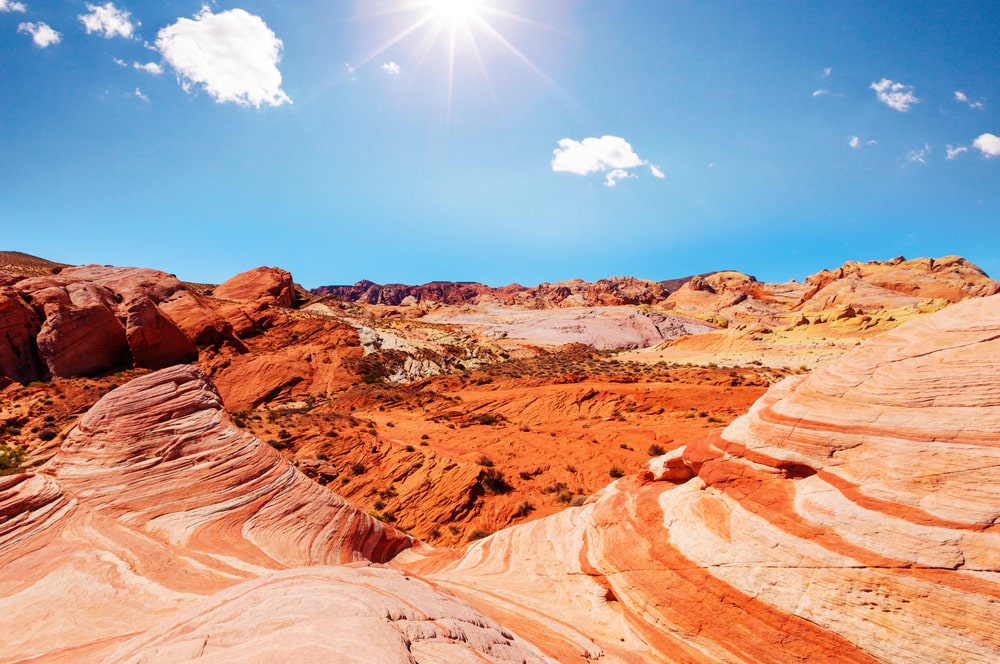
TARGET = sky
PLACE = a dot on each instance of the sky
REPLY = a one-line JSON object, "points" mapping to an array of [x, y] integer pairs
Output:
{"points": [[499, 141]]}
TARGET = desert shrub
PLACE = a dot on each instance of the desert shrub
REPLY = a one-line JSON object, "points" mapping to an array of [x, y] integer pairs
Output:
{"points": [[411, 448], [379, 504], [284, 435], [656, 450], [10, 459], [494, 482], [47, 434], [358, 469], [486, 419], [485, 461], [478, 534], [616, 472], [523, 510]]}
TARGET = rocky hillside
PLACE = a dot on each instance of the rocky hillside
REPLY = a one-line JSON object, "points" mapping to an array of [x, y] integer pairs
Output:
{"points": [[851, 516]]}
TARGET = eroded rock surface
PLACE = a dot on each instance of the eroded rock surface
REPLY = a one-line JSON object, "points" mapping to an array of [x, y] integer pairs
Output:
{"points": [[851, 516]]}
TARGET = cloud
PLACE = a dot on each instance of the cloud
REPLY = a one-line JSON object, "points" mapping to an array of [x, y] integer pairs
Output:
{"points": [[107, 20], [963, 98], [988, 144], [120, 62], [954, 152], [592, 155], [854, 142], [612, 178], [41, 34], [8, 6], [820, 92], [596, 155], [232, 55], [390, 68], [150, 67], [918, 156], [895, 95], [138, 93], [827, 71]]}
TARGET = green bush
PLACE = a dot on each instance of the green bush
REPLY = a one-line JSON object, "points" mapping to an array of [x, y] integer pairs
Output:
{"points": [[10, 459], [616, 472]]}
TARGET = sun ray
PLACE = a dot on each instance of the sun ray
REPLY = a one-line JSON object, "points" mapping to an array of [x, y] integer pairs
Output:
{"points": [[458, 30]]}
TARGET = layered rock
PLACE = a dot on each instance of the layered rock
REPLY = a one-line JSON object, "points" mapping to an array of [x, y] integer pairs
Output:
{"points": [[329, 614], [263, 285], [850, 516], [87, 320], [155, 501]]}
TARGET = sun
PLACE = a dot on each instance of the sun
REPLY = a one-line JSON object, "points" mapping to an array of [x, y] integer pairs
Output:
{"points": [[461, 34], [455, 11]]}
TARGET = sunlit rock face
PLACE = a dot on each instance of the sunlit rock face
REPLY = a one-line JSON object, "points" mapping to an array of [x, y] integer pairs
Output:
{"points": [[154, 502], [262, 285], [91, 319], [851, 516]]}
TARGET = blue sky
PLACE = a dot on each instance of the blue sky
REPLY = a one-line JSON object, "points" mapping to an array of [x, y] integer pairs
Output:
{"points": [[550, 139]]}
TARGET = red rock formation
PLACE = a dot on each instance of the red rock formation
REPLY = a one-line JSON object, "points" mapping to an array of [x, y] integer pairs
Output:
{"points": [[19, 328], [262, 285], [851, 516], [161, 455], [87, 320]]}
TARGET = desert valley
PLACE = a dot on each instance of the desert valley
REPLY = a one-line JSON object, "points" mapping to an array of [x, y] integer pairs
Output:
{"points": [[704, 469]]}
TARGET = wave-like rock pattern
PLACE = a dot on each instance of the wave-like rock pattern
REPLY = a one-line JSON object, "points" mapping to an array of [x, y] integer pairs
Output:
{"points": [[329, 614], [161, 455], [851, 516]]}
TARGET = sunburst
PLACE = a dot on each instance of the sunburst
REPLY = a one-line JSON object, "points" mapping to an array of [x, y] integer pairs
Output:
{"points": [[461, 28]]}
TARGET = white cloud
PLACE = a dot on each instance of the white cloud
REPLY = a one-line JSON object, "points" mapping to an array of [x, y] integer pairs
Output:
{"points": [[895, 95], [390, 68], [954, 152], [963, 98], [988, 144], [820, 92], [594, 154], [612, 178], [120, 62], [827, 71], [854, 142], [150, 67], [41, 34], [138, 93], [918, 156], [8, 6], [107, 20], [233, 55]]}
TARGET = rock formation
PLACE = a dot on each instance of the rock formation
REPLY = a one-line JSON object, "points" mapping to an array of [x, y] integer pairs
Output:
{"points": [[263, 285], [851, 516], [88, 320]]}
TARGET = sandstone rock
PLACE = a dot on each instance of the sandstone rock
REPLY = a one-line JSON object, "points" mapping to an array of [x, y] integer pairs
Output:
{"points": [[851, 516], [161, 454], [154, 340], [671, 467], [329, 614], [19, 328], [262, 285]]}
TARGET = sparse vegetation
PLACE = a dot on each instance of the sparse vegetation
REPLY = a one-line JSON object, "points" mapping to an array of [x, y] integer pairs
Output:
{"points": [[11, 459], [493, 481], [616, 472], [656, 450]]}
